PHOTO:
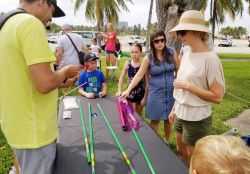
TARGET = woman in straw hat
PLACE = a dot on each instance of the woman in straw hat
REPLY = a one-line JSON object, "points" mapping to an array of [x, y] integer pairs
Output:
{"points": [[199, 83], [161, 64]]}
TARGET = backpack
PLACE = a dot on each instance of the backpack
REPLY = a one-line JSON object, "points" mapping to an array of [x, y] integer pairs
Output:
{"points": [[6, 16]]}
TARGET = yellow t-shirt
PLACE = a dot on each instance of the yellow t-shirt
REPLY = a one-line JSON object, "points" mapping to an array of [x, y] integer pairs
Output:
{"points": [[28, 118]]}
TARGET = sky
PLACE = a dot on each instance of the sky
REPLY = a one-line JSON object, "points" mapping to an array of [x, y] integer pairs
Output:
{"points": [[138, 14]]}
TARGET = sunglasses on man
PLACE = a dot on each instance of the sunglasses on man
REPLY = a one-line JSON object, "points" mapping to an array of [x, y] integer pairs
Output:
{"points": [[156, 41], [181, 32]]}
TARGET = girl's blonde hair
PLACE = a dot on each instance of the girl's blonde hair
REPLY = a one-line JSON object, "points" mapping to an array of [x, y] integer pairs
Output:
{"points": [[217, 154]]}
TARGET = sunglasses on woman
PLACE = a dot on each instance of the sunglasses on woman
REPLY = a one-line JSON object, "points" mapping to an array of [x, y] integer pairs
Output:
{"points": [[181, 32], [156, 41]]}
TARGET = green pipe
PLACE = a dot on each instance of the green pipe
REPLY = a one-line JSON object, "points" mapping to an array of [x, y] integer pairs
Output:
{"points": [[143, 151], [84, 131], [131, 167], [91, 139]]}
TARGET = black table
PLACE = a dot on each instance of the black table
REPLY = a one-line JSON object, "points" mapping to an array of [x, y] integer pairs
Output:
{"points": [[71, 155]]}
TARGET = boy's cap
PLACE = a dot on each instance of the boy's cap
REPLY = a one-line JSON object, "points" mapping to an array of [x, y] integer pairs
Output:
{"points": [[89, 57], [58, 12]]}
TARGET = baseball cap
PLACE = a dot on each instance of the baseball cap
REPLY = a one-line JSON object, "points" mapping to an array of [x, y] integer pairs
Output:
{"points": [[66, 27], [90, 56], [58, 12]]}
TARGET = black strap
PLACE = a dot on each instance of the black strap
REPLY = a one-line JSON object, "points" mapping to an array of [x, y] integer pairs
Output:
{"points": [[72, 43], [6, 16]]}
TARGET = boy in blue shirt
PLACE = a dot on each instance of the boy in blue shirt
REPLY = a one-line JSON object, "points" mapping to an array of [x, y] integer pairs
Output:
{"points": [[95, 82]]}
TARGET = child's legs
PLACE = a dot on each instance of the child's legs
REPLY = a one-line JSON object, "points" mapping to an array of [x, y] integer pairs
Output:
{"points": [[112, 60], [137, 107], [154, 124], [167, 129], [107, 63]]}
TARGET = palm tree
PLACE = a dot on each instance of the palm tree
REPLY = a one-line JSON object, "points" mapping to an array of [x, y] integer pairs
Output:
{"points": [[101, 10], [148, 25], [218, 9], [168, 14], [248, 6]]}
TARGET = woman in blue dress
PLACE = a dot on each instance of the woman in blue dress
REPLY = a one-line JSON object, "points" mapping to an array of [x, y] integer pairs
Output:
{"points": [[162, 64]]}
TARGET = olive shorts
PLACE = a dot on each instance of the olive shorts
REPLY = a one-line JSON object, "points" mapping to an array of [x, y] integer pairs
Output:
{"points": [[193, 130]]}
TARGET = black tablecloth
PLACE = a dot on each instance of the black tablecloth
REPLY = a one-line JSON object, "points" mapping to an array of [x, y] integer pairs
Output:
{"points": [[71, 155]]}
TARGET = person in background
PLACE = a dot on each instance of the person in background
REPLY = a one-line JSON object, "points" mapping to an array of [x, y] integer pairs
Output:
{"points": [[28, 106], [219, 154], [138, 94], [110, 41], [95, 49], [199, 83], [162, 64], [66, 54], [118, 48], [95, 82]]}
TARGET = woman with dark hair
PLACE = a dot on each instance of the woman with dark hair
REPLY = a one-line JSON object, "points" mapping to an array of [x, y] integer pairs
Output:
{"points": [[161, 64]]}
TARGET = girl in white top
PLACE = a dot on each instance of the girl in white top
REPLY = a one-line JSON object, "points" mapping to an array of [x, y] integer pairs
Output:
{"points": [[199, 83]]}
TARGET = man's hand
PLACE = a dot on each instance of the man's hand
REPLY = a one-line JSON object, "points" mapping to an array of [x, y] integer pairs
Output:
{"points": [[72, 70]]}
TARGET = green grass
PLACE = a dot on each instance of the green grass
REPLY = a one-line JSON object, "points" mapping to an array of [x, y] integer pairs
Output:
{"points": [[237, 76], [233, 56]]}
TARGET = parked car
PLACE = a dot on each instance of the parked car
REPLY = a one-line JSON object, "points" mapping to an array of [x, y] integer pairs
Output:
{"points": [[225, 42], [136, 39], [88, 36], [52, 39], [248, 41]]}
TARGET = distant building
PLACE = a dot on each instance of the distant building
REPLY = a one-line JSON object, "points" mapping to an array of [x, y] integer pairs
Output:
{"points": [[122, 25], [1, 13]]}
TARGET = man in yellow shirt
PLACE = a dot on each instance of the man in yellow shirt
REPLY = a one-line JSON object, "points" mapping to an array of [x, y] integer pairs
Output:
{"points": [[28, 90]]}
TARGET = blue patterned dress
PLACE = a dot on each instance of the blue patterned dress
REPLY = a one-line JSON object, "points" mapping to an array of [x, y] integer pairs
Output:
{"points": [[160, 95]]}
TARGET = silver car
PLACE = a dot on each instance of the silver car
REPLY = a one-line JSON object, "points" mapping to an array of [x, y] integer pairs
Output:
{"points": [[225, 42], [136, 39]]}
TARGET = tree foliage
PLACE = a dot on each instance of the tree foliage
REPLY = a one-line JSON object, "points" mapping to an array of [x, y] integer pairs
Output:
{"points": [[236, 32], [101, 10]]}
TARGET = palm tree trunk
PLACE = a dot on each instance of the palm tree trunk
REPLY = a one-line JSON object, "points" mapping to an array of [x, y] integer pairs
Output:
{"points": [[168, 16], [148, 25], [213, 17]]}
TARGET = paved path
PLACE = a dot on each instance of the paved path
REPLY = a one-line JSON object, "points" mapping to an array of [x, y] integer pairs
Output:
{"points": [[241, 122]]}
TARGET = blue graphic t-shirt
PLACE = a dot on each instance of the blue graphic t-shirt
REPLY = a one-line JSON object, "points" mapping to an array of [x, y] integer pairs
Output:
{"points": [[94, 81]]}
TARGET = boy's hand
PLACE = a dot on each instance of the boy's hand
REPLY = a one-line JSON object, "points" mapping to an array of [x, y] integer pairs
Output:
{"points": [[102, 94], [90, 95]]}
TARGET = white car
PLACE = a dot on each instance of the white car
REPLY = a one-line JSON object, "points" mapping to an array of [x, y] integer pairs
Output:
{"points": [[225, 42], [52, 39], [88, 36], [136, 39]]}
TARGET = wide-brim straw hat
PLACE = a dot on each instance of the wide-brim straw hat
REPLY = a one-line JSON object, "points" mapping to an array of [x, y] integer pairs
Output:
{"points": [[192, 20]]}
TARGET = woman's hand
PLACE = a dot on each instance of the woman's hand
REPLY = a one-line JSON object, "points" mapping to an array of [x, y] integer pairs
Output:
{"points": [[182, 84], [171, 117]]}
